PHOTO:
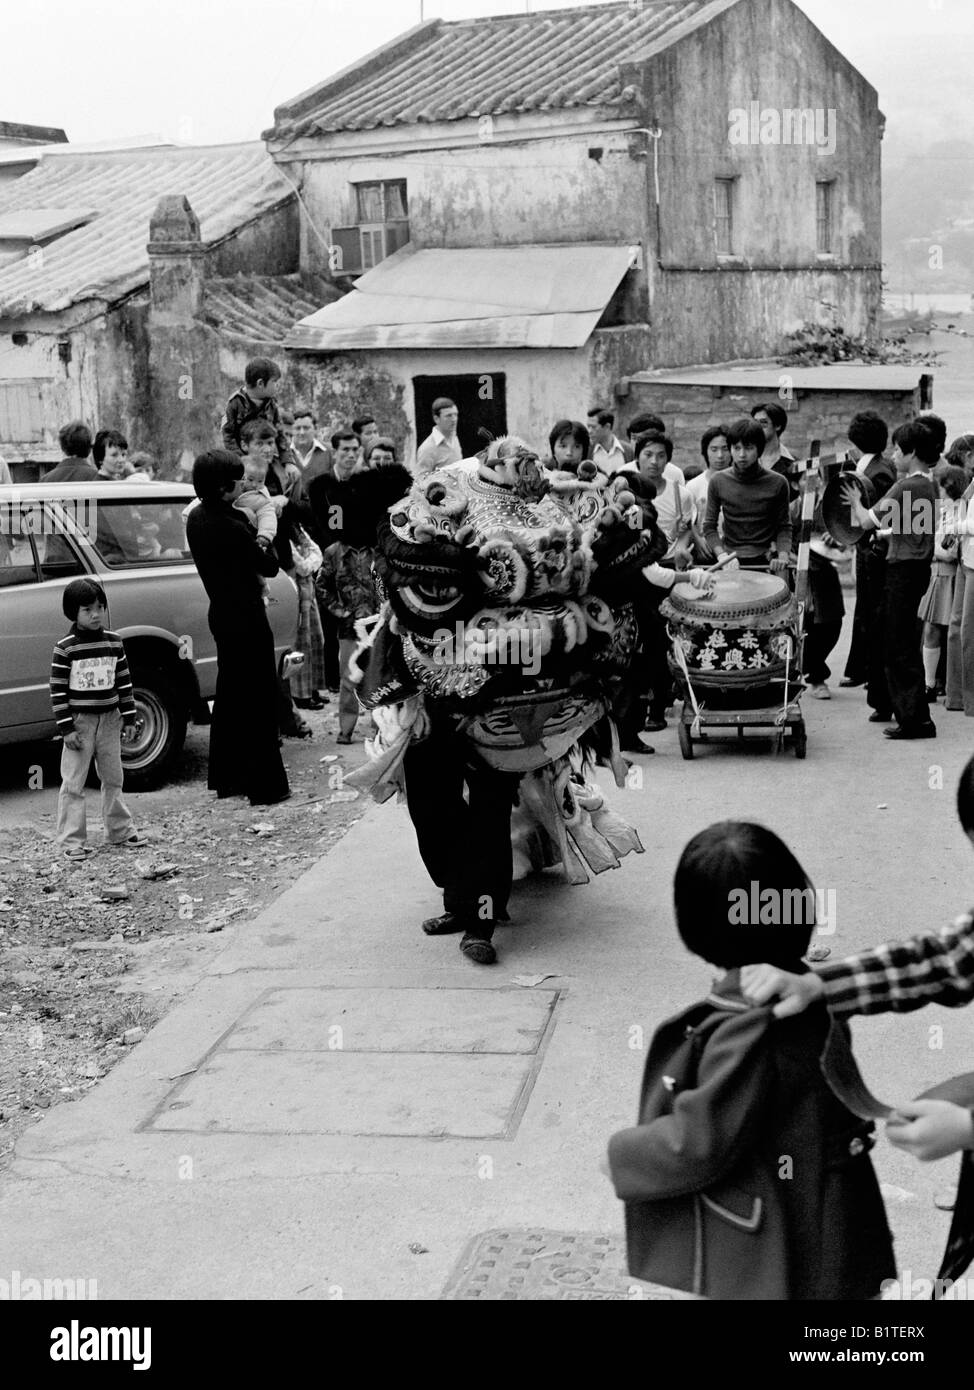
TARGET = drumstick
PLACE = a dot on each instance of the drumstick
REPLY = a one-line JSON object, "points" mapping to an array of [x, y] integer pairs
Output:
{"points": [[724, 560]]}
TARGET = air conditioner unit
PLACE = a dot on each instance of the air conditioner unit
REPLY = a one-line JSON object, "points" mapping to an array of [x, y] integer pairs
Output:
{"points": [[354, 250]]}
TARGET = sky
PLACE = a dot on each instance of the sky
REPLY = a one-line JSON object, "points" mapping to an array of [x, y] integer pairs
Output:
{"points": [[212, 71]]}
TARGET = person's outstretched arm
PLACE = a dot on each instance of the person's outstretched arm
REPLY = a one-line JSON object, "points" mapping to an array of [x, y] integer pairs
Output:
{"points": [[896, 977]]}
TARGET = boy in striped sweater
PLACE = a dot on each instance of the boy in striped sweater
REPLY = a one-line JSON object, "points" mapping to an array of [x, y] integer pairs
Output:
{"points": [[91, 691]]}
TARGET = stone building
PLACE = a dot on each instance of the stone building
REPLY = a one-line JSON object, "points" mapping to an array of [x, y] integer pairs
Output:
{"points": [[527, 210], [134, 286]]}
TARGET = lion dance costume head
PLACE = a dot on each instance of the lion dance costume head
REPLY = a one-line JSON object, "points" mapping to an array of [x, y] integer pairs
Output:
{"points": [[506, 594]]}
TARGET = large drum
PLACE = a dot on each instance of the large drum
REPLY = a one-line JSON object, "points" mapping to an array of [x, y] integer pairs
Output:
{"points": [[737, 638]]}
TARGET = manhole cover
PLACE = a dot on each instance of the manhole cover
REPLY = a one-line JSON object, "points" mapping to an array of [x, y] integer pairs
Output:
{"points": [[537, 1265]]}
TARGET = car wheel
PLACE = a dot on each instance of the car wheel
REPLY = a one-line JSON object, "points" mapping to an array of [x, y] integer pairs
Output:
{"points": [[160, 730]]}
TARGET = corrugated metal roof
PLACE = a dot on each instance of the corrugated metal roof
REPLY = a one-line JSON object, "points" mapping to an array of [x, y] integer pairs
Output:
{"points": [[833, 376], [35, 224], [261, 308], [511, 296], [523, 62], [107, 259]]}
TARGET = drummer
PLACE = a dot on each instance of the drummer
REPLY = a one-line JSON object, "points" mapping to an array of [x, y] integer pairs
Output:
{"points": [[752, 504]]}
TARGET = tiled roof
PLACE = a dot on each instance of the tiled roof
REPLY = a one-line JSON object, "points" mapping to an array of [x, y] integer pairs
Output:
{"points": [[260, 308], [226, 186], [523, 62]]}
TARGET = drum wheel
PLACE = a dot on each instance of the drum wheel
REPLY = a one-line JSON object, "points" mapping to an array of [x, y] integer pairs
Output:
{"points": [[686, 742], [801, 739]]}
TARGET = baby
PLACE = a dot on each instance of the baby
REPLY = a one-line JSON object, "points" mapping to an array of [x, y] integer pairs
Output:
{"points": [[257, 503], [260, 508]]}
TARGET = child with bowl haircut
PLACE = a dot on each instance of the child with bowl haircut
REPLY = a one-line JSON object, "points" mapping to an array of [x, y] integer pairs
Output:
{"points": [[745, 1177]]}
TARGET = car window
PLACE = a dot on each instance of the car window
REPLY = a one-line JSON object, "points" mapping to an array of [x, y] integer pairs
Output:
{"points": [[17, 565], [56, 553], [129, 533]]}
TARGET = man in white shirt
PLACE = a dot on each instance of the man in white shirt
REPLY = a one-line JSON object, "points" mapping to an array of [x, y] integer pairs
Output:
{"points": [[607, 452], [717, 456], [774, 421], [312, 457], [442, 446]]}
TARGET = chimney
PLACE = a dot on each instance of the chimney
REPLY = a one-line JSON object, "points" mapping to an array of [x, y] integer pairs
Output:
{"points": [[176, 267]]}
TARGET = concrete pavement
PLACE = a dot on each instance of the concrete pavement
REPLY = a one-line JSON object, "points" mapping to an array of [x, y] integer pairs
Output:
{"points": [[341, 1105]]}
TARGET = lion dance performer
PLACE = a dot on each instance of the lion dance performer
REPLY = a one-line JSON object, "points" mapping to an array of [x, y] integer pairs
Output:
{"points": [[506, 633]]}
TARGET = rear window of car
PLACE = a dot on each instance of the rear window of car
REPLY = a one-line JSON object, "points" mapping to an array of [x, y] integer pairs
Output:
{"points": [[33, 546], [127, 534]]}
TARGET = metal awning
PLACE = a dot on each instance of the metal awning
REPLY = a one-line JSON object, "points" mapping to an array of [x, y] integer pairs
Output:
{"points": [[502, 297], [37, 224]]}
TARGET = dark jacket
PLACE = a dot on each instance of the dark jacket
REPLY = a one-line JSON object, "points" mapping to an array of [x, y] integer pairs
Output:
{"points": [[352, 509], [72, 470], [224, 548], [346, 585], [825, 603], [746, 1178], [240, 410], [880, 474]]}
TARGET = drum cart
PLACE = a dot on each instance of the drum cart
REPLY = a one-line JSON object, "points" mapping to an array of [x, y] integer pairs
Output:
{"points": [[778, 719], [775, 705]]}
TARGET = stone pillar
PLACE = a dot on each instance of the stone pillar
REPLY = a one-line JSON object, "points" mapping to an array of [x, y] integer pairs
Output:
{"points": [[185, 389], [176, 264]]}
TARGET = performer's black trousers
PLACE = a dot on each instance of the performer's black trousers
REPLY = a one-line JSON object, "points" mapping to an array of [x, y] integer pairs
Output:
{"points": [[871, 573], [465, 844], [906, 584], [820, 638]]}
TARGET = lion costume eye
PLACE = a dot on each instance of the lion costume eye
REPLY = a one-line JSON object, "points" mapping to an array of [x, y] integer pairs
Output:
{"points": [[505, 571]]}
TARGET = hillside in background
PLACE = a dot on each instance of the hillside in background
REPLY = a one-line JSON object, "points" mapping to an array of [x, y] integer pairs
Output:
{"points": [[928, 165]]}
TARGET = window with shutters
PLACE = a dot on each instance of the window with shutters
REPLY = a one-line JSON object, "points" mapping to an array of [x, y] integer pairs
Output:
{"points": [[382, 210], [824, 229], [22, 412], [382, 202], [724, 216]]}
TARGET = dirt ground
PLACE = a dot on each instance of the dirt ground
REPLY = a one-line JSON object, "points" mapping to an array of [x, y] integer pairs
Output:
{"points": [[93, 954]]}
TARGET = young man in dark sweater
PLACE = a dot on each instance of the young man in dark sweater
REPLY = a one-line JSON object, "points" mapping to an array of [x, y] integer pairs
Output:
{"points": [[75, 466], [908, 513], [754, 504]]}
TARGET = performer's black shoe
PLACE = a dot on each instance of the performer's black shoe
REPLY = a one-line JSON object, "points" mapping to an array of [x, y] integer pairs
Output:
{"points": [[654, 726], [478, 948], [444, 925], [880, 717], [636, 745], [847, 681], [917, 731]]}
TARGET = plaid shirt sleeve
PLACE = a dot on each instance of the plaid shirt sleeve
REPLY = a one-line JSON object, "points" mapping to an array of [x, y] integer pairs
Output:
{"points": [[899, 976]]}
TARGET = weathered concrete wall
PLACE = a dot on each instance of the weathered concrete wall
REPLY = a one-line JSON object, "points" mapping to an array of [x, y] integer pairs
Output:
{"points": [[767, 52], [733, 315], [489, 194], [105, 382], [814, 414], [541, 387], [270, 245]]}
